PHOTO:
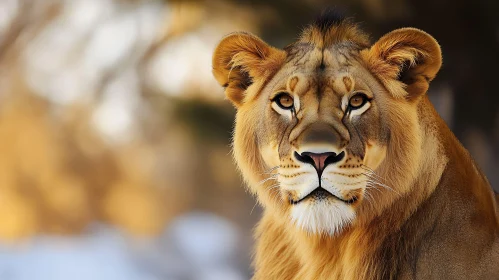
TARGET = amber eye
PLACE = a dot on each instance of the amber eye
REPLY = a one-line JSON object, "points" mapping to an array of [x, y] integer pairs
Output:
{"points": [[284, 100], [357, 101]]}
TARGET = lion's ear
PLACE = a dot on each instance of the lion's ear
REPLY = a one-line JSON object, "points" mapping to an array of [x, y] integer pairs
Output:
{"points": [[405, 60], [241, 59]]}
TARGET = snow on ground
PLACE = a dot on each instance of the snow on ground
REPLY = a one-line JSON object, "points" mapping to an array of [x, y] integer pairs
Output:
{"points": [[197, 246]]}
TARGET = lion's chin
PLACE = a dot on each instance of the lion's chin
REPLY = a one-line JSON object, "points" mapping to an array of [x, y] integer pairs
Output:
{"points": [[322, 217]]}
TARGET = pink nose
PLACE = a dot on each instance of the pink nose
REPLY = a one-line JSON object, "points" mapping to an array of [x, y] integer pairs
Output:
{"points": [[319, 161]]}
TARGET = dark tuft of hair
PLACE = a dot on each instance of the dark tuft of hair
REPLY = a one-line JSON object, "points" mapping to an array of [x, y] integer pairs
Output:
{"points": [[328, 19], [333, 28]]}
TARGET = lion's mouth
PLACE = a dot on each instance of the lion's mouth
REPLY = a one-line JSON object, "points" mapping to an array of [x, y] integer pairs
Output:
{"points": [[320, 194]]}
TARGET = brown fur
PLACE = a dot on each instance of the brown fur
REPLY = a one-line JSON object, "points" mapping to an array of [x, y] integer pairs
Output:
{"points": [[441, 219]]}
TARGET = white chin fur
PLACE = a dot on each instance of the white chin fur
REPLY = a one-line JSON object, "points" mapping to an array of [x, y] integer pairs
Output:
{"points": [[322, 217]]}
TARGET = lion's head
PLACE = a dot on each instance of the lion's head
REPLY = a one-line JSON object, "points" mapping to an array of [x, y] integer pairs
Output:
{"points": [[321, 122]]}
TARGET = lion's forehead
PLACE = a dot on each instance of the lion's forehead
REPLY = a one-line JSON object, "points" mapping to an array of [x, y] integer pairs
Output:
{"points": [[314, 71]]}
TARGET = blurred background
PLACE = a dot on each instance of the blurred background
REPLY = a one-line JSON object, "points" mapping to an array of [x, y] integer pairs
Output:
{"points": [[114, 137]]}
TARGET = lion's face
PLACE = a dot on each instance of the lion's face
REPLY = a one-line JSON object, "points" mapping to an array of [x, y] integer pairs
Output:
{"points": [[316, 121], [322, 133]]}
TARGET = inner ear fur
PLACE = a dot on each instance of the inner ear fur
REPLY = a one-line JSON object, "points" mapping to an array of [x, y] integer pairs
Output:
{"points": [[241, 59], [405, 60]]}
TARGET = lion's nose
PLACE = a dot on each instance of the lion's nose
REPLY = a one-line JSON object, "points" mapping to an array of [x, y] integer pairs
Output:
{"points": [[319, 160]]}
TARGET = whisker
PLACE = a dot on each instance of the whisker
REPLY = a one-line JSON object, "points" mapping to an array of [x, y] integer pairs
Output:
{"points": [[375, 183], [366, 167], [372, 171], [273, 186], [272, 177], [269, 171], [373, 187], [371, 177], [375, 179], [368, 197], [256, 202], [373, 174], [385, 186]]}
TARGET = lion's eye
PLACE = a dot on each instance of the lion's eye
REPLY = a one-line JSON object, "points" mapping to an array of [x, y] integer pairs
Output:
{"points": [[357, 101], [284, 100]]}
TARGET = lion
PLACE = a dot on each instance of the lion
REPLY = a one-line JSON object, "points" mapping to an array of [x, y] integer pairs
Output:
{"points": [[358, 175]]}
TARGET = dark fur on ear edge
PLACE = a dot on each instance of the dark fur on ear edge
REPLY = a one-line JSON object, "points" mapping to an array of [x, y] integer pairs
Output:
{"points": [[405, 60], [241, 59]]}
